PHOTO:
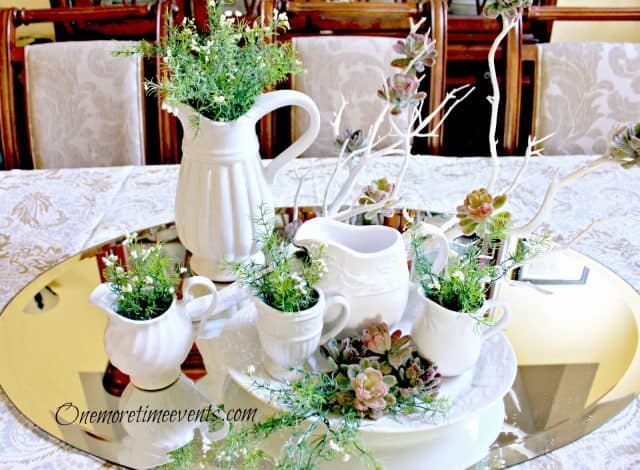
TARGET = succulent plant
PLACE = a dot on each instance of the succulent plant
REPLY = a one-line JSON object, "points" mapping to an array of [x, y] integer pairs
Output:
{"points": [[374, 192], [289, 231], [355, 140], [419, 374], [376, 338], [344, 352], [506, 8], [625, 145], [371, 389], [476, 214], [402, 91], [374, 371], [410, 49], [401, 350]]}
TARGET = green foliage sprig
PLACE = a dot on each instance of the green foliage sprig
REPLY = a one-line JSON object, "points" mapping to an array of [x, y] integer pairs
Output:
{"points": [[220, 73], [322, 413], [145, 286], [284, 278], [465, 281]]}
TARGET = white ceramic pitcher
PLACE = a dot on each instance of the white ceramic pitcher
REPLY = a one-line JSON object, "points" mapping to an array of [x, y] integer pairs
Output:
{"points": [[223, 183], [367, 265], [151, 351]]}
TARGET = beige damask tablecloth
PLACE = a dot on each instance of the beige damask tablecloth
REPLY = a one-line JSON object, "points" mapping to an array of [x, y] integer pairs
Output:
{"points": [[48, 215]]}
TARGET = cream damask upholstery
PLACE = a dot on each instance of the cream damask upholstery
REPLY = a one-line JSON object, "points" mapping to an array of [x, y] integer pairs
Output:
{"points": [[85, 106], [351, 66], [583, 90]]}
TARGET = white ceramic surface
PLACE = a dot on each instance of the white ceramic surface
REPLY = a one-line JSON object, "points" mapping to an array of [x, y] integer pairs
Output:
{"points": [[151, 351], [480, 387], [223, 184], [366, 264], [170, 434], [289, 339], [453, 448], [451, 339]]}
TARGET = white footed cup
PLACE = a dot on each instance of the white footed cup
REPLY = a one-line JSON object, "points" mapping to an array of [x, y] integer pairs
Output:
{"points": [[288, 340]]}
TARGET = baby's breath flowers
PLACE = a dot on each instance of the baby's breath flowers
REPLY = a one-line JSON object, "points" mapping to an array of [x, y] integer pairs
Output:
{"points": [[145, 287], [220, 73], [284, 279]]}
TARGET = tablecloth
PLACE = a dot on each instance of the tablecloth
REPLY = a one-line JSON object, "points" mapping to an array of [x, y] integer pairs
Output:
{"points": [[48, 215]]}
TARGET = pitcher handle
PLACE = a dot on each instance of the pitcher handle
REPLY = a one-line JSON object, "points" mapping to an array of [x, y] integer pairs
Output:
{"points": [[273, 100], [442, 257], [506, 314], [341, 322], [187, 297]]}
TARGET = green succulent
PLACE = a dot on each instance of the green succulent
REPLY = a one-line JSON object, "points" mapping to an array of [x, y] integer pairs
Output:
{"points": [[344, 352], [625, 145], [419, 374], [506, 8], [476, 214]]}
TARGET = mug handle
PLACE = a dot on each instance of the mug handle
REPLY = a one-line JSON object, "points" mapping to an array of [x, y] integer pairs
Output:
{"points": [[506, 314], [442, 256], [187, 298], [273, 100], [341, 322]]}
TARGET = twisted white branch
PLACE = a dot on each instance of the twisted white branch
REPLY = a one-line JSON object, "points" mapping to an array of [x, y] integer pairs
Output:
{"points": [[494, 99]]}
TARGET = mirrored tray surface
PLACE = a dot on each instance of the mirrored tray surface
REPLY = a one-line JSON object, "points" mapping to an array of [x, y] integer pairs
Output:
{"points": [[576, 345]]}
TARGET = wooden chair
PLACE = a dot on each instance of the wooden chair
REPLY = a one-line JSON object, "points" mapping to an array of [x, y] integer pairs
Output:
{"points": [[385, 21], [21, 126], [127, 28], [579, 88]]}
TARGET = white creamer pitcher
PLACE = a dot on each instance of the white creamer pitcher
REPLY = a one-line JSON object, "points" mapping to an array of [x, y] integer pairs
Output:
{"points": [[367, 265], [151, 351]]}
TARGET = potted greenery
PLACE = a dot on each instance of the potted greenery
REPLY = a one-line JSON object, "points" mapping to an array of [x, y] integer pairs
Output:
{"points": [[214, 83], [455, 315], [290, 309], [150, 332]]}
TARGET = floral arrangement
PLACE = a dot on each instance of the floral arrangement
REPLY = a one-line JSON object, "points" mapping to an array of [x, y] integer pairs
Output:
{"points": [[220, 73], [284, 278], [370, 374], [145, 286]]}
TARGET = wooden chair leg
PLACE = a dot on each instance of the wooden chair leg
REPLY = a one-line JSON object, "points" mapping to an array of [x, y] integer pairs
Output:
{"points": [[512, 89]]}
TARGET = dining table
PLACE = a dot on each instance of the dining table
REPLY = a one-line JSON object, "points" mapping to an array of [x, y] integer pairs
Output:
{"points": [[47, 216]]}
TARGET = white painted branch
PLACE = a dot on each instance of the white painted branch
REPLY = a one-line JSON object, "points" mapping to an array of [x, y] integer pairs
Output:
{"points": [[494, 99], [433, 133], [553, 188], [348, 184], [337, 118], [336, 169], [594, 224], [297, 195], [531, 151], [425, 122]]}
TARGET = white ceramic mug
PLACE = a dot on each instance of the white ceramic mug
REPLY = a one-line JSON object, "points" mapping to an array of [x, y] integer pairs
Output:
{"points": [[451, 339], [289, 339]]}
